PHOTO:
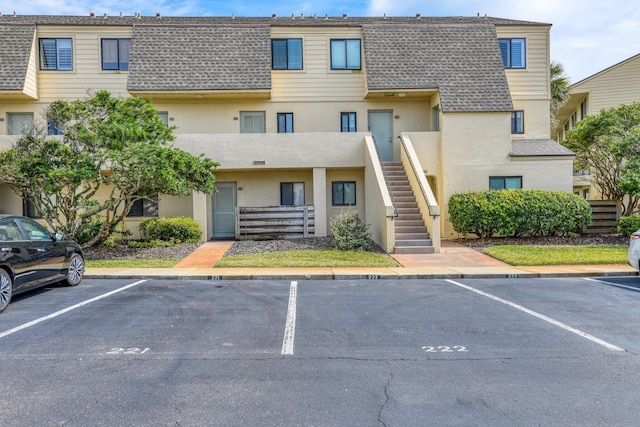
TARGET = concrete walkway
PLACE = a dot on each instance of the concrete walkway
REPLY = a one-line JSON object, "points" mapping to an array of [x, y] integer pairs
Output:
{"points": [[454, 262]]}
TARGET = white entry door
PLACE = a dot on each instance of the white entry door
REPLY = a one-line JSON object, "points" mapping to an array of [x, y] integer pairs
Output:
{"points": [[224, 211]]}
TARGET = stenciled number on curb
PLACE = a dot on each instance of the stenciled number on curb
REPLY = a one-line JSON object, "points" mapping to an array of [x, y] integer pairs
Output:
{"points": [[132, 350], [373, 277], [444, 349]]}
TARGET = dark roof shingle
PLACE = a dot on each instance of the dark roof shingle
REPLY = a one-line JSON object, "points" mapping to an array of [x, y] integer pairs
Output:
{"points": [[15, 50], [538, 147], [200, 58], [462, 61]]}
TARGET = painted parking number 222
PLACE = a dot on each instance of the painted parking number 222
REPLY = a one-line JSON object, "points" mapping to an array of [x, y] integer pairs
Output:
{"points": [[132, 350], [444, 349]]}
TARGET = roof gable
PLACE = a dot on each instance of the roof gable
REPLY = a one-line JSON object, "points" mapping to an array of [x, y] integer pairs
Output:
{"points": [[15, 49], [462, 61], [200, 58]]}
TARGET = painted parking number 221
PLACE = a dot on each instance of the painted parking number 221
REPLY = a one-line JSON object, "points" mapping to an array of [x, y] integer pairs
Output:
{"points": [[444, 349]]}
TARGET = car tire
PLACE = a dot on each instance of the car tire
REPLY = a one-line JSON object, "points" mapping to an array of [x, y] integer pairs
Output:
{"points": [[75, 272], [6, 289]]}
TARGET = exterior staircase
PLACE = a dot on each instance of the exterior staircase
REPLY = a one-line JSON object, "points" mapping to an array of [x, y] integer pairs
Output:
{"points": [[411, 233]]}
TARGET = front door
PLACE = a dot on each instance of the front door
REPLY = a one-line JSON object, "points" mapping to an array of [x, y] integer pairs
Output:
{"points": [[224, 210], [381, 128]]}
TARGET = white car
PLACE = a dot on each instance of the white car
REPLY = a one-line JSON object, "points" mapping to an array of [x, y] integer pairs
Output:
{"points": [[634, 249]]}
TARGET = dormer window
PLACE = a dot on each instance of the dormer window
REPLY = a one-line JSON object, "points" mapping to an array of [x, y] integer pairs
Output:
{"points": [[56, 54]]}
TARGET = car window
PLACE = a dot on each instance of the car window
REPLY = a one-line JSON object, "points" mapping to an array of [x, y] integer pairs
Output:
{"points": [[35, 230], [10, 231]]}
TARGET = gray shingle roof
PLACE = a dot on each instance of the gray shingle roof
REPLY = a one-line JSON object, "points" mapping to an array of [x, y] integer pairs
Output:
{"points": [[462, 61], [200, 58], [15, 49], [538, 147]]}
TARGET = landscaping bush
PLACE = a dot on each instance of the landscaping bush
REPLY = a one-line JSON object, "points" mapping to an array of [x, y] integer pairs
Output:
{"points": [[349, 233], [628, 224], [176, 230], [518, 213]]}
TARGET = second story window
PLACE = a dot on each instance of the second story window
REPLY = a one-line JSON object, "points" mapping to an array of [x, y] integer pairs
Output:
{"points": [[348, 122], [583, 109], [514, 52], [345, 54], [56, 54], [517, 122], [286, 54], [115, 54], [285, 122]]}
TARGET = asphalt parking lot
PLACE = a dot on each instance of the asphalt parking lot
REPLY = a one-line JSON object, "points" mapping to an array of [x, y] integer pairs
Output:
{"points": [[559, 351]]}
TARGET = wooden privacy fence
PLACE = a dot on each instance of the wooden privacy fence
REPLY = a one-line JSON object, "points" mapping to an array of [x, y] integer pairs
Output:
{"points": [[604, 216], [275, 222]]}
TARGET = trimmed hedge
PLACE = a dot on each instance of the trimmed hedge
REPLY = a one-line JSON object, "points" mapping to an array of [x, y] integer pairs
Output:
{"points": [[518, 213], [628, 224], [176, 230], [349, 233]]}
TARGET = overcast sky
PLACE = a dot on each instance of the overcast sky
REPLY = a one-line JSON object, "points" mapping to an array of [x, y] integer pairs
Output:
{"points": [[587, 36]]}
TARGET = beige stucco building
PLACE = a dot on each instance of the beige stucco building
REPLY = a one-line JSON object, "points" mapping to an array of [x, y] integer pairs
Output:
{"points": [[614, 86], [311, 110]]}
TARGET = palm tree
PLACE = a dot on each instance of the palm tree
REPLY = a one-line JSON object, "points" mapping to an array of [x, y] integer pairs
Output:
{"points": [[559, 90]]}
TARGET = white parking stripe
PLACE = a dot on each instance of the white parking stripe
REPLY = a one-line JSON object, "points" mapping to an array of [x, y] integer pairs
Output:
{"points": [[617, 285], [68, 309], [290, 325], [540, 316]]}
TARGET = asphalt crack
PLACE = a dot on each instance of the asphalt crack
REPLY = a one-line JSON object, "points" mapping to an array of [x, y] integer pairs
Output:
{"points": [[386, 394]]}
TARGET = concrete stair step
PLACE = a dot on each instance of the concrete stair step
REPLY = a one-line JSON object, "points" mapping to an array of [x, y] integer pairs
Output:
{"points": [[414, 250], [409, 223], [423, 235], [409, 229]]}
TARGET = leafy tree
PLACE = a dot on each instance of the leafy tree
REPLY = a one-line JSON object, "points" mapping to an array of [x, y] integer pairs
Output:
{"points": [[609, 146], [113, 152], [559, 90]]}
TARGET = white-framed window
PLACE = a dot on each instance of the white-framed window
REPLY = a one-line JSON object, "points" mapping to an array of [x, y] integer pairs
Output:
{"points": [[343, 193], [115, 54], [514, 52], [19, 123], [348, 122], [505, 182], [286, 54], [517, 122], [583, 109], [345, 54], [292, 193], [285, 122], [56, 54], [252, 122]]}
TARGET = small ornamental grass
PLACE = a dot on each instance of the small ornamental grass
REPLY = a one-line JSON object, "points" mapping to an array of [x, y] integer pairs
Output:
{"points": [[559, 255]]}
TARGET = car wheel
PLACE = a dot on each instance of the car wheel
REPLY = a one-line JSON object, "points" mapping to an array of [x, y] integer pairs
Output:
{"points": [[6, 289], [76, 270]]}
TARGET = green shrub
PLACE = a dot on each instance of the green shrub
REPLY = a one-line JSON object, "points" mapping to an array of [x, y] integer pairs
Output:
{"points": [[349, 233], [518, 213], [175, 230], [628, 224]]}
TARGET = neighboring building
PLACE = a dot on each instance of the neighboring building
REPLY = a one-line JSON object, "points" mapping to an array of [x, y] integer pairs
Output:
{"points": [[307, 110], [609, 88]]}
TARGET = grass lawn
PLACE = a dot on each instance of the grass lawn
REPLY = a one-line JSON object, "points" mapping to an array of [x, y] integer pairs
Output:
{"points": [[309, 258], [132, 263], [559, 255]]}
